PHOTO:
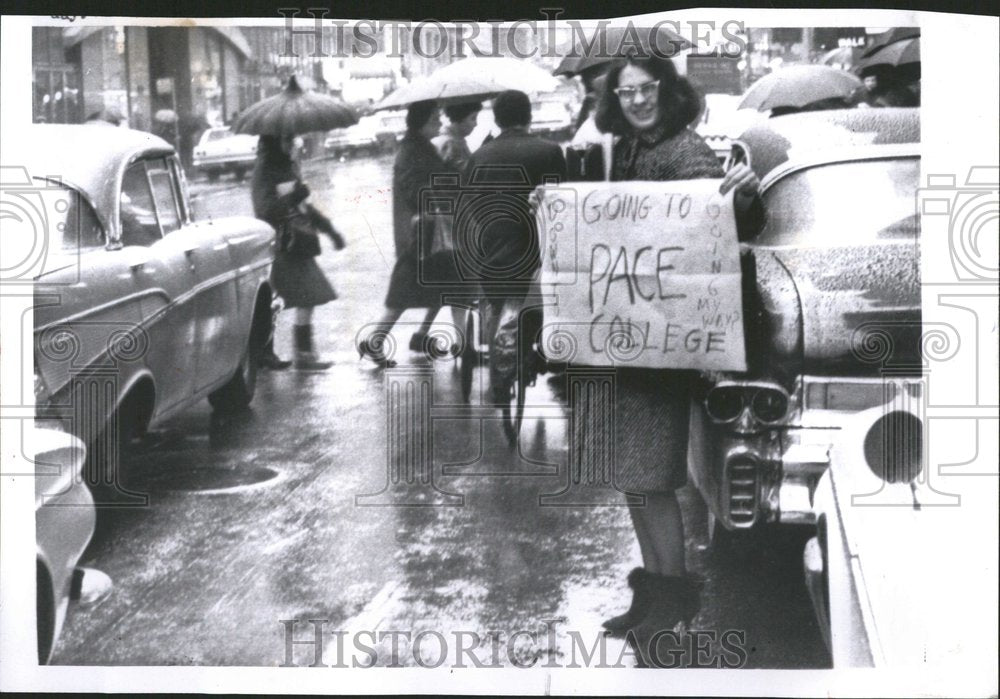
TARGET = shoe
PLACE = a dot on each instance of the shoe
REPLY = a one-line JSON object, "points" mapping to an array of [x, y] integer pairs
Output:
{"points": [[366, 348], [639, 580], [269, 360], [674, 600], [305, 355]]}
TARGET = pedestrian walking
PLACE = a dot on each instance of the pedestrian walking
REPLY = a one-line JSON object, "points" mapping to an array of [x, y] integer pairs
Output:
{"points": [[280, 198], [650, 107], [499, 244], [420, 276]]}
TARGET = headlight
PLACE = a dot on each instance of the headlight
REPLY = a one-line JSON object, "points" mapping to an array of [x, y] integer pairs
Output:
{"points": [[894, 447]]}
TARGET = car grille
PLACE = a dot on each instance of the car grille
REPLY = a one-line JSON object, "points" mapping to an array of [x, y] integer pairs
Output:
{"points": [[743, 474]]}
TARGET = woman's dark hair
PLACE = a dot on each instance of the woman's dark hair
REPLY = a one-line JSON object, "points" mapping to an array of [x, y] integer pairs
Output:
{"points": [[679, 103], [418, 114], [512, 108], [458, 112]]}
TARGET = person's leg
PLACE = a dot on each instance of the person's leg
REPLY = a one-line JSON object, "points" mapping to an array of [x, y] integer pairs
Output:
{"points": [[417, 340], [374, 345], [459, 318], [664, 526], [646, 547], [268, 358], [305, 351]]}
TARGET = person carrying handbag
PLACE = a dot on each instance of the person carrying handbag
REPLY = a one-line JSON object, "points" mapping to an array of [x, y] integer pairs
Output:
{"points": [[280, 198]]}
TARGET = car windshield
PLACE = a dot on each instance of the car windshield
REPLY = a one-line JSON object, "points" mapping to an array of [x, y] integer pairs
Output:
{"points": [[844, 204], [219, 134]]}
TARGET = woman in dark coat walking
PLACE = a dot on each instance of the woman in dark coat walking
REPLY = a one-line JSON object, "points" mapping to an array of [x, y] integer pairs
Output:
{"points": [[279, 197], [649, 106], [418, 277]]}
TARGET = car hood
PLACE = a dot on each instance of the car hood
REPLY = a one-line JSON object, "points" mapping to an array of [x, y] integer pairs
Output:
{"points": [[842, 311]]}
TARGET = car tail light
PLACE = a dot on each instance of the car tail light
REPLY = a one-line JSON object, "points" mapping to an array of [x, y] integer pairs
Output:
{"points": [[724, 403], [894, 447], [768, 403]]}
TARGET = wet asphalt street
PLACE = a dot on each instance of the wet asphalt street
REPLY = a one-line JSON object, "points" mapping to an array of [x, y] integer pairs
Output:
{"points": [[292, 511]]}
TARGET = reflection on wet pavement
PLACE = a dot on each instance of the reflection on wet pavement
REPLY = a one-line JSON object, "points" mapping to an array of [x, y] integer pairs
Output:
{"points": [[298, 510]]}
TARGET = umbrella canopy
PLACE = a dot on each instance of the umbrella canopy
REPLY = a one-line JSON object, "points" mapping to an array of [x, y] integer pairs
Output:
{"points": [[895, 55], [472, 78], [845, 57], [612, 44], [890, 37], [798, 86], [295, 111]]}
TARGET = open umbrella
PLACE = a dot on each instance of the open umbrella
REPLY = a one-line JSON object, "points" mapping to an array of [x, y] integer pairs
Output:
{"points": [[611, 44], [472, 78], [845, 57], [295, 111], [890, 37], [898, 54], [798, 86]]}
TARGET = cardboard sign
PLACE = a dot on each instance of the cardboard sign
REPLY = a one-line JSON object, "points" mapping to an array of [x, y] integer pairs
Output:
{"points": [[643, 274]]}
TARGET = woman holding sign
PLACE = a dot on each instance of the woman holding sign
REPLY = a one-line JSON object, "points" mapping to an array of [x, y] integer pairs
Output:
{"points": [[650, 107]]}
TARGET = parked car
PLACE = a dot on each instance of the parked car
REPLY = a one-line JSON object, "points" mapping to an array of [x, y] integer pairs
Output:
{"points": [[140, 311], [361, 138], [64, 524], [220, 150], [892, 571], [831, 299], [390, 128]]}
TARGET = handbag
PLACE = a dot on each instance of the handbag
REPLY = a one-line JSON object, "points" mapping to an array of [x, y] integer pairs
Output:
{"points": [[298, 237]]}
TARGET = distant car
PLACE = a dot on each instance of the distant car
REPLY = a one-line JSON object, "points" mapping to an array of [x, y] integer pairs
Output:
{"points": [[140, 311], [552, 118], [353, 140], [220, 150], [832, 299], [390, 127], [64, 524]]}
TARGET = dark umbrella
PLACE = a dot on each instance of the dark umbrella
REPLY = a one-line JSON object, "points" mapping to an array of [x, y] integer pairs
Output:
{"points": [[295, 111], [890, 37], [895, 55], [619, 42], [798, 86]]}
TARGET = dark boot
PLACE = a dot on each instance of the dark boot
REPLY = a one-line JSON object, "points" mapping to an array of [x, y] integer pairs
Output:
{"points": [[639, 580], [673, 600], [373, 347], [269, 360], [305, 354]]}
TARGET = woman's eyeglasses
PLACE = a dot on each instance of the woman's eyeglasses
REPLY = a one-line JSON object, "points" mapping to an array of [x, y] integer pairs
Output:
{"points": [[647, 90]]}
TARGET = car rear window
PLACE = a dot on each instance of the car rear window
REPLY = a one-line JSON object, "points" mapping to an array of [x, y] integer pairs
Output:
{"points": [[67, 218], [843, 204], [219, 134]]}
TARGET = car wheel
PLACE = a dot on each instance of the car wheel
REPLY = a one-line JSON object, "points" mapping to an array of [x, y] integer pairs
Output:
{"points": [[213, 175], [240, 173], [45, 613], [238, 392]]}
